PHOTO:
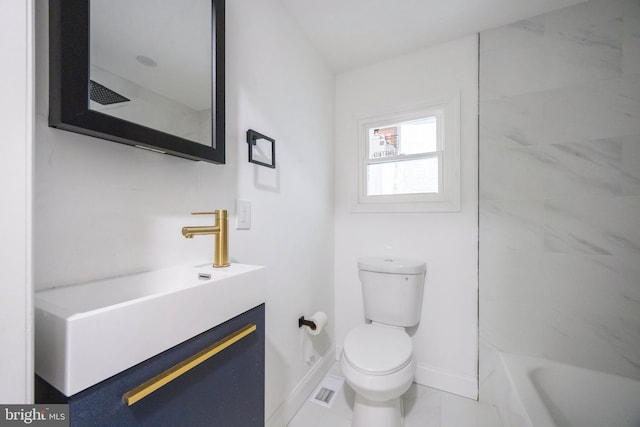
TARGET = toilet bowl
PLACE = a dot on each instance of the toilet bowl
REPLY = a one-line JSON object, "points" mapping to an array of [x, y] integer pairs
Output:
{"points": [[377, 362], [377, 358]]}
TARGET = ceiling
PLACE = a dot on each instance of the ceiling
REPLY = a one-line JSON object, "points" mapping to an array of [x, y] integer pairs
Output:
{"points": [[352, 33], [346, 33]]}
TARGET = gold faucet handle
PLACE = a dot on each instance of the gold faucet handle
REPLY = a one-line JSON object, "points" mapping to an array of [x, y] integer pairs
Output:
{"points": [[218, 213], [206, 213]]}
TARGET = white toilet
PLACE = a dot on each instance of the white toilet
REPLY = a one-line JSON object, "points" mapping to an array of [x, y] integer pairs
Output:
{"points": [[377, 358]]}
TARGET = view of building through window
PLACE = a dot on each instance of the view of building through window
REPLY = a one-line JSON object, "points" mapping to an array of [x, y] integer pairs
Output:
{"points": [[404, 158]]}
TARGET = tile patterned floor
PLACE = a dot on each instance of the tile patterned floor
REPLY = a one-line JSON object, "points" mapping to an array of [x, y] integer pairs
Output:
{"points": [[423, 406]]}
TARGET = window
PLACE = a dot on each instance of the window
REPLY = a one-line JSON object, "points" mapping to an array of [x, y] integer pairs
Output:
{"points": [[409, 161]]}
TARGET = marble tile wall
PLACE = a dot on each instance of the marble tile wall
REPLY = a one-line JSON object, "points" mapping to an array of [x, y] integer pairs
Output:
{"points": [[560, 188]]}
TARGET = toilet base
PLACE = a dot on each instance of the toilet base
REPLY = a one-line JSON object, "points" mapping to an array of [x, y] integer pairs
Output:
{"points": [[367, 413]]}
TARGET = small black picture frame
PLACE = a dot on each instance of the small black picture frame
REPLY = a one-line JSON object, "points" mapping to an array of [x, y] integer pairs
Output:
{"points": [[252, 142]]}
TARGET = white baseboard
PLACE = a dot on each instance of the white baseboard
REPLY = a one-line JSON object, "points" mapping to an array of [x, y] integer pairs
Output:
{"points": [[285, 412], [465, 386]]}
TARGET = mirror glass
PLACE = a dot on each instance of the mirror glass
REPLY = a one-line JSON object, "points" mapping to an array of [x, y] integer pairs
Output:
{"points": [[151, 63]]}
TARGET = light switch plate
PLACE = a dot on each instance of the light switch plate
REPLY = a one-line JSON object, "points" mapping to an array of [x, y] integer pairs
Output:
{"points": [[243, 214]]}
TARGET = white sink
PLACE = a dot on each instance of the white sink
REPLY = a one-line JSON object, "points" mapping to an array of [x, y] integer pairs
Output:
{"points": [[89, 332]]}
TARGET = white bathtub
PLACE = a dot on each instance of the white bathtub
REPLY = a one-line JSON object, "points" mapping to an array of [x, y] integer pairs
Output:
{"points": [[551, 394]]}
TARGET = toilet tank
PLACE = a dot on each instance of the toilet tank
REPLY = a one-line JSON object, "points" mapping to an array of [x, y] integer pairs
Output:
{"points": [[392, 289]]}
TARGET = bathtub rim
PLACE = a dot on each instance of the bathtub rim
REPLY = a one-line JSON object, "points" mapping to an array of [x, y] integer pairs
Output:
{"points": [[518, 369], [525, 396]]}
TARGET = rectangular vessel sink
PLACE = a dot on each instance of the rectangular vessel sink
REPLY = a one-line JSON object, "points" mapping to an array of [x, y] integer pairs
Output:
{"points": [[89, 332]]}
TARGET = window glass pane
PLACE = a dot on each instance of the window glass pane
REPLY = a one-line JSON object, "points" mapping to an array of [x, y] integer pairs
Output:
{"points": [[403, 177], [409, 137]]}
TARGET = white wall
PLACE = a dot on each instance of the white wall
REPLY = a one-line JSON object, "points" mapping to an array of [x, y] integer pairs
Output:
{"points": [[105, 209], [278, 86], [445, 342], [560, 189], [16, 113]]}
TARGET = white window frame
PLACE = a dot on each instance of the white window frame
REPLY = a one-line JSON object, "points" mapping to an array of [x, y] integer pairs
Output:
{"points": [[447, 199]]}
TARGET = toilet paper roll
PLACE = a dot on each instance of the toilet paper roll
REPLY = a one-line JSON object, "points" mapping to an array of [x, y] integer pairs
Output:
{"points": [[320, 319]]}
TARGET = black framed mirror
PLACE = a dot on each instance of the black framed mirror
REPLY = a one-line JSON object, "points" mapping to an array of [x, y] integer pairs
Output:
{"points": [[157, 84]]}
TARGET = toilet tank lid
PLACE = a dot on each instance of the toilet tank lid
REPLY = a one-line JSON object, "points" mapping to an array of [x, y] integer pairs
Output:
{"points": [[392, 265]]}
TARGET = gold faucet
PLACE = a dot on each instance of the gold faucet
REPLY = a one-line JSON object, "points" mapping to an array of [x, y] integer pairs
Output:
{"points": [[221, 231]]}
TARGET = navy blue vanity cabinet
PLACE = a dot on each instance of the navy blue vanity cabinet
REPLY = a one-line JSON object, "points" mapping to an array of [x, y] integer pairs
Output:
{"points": [[226, 390]]}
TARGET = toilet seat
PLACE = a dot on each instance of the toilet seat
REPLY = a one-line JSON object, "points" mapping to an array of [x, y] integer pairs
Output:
{"points": [[378, 350]]}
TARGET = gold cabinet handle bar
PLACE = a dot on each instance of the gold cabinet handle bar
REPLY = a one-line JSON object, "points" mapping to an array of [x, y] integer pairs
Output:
{"points": [[160, 380]]}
